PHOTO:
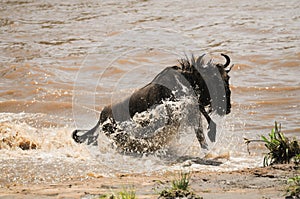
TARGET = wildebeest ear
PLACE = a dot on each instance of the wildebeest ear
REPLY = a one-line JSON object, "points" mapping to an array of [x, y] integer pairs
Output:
{"points": [[193, 60], [200, 61], [229, 69]]}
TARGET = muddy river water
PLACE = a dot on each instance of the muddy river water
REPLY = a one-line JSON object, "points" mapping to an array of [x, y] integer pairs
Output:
{"points": [[62, 61]]}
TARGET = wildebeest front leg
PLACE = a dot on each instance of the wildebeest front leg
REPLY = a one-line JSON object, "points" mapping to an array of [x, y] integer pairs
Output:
{"points": [[212, 127], [200, 137], [203, 111]]}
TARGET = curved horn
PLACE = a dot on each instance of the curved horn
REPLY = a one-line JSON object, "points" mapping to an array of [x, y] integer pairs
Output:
{"points": [[227, 60]]}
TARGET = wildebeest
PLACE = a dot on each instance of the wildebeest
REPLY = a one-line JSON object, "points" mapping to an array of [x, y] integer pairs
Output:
{"points": [[206, 81]]}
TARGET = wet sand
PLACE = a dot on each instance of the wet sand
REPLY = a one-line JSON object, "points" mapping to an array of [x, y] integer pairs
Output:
{"points": [[267, 182]]}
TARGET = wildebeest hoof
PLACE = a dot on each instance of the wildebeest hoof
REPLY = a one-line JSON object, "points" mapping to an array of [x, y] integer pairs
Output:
{"points": [[76, 137], [86, 135]]}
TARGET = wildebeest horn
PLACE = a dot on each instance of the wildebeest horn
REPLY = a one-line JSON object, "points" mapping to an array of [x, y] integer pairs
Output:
{"points": [[227, 60], [200, 60]]}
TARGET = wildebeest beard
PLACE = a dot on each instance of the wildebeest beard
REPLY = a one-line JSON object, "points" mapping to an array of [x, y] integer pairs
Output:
{"points": [[208, 83]]}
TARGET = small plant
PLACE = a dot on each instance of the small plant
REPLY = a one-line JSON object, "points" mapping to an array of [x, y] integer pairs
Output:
{"points": [[281, 149], [124, 194], [182, 182], [293, 189], [180, 188], [297, 159]]}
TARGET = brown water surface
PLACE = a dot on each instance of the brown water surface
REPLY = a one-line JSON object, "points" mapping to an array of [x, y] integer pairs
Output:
{"points": [[62, 61]]}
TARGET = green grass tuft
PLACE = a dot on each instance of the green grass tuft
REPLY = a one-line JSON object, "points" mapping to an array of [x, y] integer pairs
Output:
{"points": [[180, 188], [182, 182], [128, 193], [281, 148], [293, 189]]}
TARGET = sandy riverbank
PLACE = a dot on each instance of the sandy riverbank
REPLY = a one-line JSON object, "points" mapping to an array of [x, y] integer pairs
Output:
{"points": [[268, 182]]}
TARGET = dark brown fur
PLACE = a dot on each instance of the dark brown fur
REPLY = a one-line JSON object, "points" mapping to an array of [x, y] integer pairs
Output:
{"points": [[191, 74]]}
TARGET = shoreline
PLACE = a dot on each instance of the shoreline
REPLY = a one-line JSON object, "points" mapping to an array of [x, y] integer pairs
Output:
{"points": [[260, 182]]}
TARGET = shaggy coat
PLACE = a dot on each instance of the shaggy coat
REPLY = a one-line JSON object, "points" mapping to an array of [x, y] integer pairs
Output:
{"points": [[208, 82]]}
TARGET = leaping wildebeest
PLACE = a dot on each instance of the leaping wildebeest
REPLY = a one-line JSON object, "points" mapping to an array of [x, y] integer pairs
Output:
{"points": [[206, 82]]}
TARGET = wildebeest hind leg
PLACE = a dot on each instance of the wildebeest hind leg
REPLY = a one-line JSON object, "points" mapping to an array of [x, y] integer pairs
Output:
{"points": [[87, 135], [90, 135]]}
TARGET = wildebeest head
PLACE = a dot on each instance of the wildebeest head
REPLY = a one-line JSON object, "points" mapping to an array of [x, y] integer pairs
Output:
{"points": [[225, 77], [210, 82]]}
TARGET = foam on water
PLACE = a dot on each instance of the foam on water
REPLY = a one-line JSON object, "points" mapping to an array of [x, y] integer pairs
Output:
{"points": [[57, 157]]}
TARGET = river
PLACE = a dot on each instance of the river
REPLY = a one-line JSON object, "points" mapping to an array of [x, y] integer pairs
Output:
{"points": [[62, 61]]}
